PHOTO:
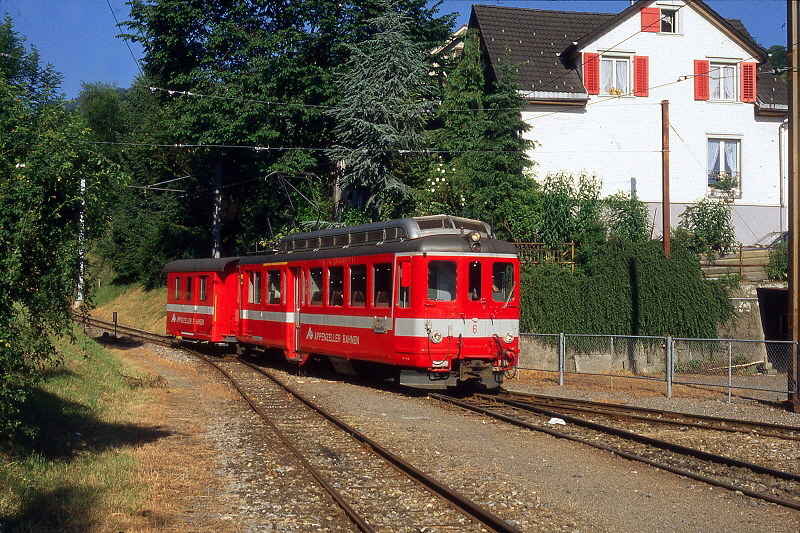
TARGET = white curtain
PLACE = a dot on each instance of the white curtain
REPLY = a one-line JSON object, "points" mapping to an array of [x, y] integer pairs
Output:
{"points": [[622, 76], [714, 82], [606, 75], [731, 166], [713, 159], [730, 89]]}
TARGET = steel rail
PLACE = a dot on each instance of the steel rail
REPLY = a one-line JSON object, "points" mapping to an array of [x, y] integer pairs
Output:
{"points": [[765, 429], [351, 513], [639, 438], [490, 521], [467, 506]]}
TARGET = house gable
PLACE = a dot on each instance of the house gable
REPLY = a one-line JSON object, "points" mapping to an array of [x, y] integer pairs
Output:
{"points": [[548, 49]]}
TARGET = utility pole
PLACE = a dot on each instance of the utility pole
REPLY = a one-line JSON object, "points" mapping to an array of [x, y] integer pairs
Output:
{"points": [[793, 23], [665, 174], [217, 225]]}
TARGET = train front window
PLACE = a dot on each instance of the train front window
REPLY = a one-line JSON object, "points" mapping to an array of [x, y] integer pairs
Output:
{"points": [[475, 281], [382, 282], [274, 286], [502, 282], [177, 292], [336, 286], [358, 285], [188, 288], [442, 281], [315, 286]]}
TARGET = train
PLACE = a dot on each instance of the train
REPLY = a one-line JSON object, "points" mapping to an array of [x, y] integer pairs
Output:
{"points": [[428, 302]]}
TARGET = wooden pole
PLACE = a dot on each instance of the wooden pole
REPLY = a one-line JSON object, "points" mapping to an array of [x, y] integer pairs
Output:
{"points": [[665, 174], [793, 23]]}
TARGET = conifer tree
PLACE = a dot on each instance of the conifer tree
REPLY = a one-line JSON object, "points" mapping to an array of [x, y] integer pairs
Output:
{"points": [[382, 113], [481, 171]]}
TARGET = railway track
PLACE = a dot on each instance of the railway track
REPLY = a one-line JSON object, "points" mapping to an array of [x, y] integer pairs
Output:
{"points": [[630, 414], [781, 487], [375, 489]]}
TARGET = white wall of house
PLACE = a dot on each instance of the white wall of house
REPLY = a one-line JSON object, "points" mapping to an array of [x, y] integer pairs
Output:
{"points": [[619, 137]]}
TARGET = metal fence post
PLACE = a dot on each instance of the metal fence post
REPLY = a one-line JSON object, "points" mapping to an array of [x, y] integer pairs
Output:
{"points": [[730, 369], [562, 358], [670, 367]]}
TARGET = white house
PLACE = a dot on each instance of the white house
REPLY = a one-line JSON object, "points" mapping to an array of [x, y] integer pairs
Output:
{"points": [[595, 82]]}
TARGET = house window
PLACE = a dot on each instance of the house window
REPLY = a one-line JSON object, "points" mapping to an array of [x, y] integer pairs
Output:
{"points": [[669, 21], [722, 81], [724, 177], [660, 20], [614, 75]]}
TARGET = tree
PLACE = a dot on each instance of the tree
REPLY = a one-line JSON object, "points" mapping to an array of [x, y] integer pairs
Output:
{"points": [[626, 217], [385, 97], [706, 227], [482, 168], [251, 80], [43, 157]]}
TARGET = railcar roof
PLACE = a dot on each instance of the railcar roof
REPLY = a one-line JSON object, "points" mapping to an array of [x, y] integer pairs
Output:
{"points": [[382, 232], [452, 244], [200, 265]]}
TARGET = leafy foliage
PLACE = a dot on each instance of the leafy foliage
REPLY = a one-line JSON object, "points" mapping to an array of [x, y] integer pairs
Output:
{"points": [[706, 227], [244, 74], [778, 262], [626, 218], [483, 171], [626, 289], [385, 97], [43, 159]]}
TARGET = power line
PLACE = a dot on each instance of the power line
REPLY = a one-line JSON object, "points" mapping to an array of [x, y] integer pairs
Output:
{"points": [[127, 44]]}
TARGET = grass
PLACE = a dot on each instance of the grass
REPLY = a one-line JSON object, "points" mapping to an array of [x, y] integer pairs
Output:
{"points": [[134, 306], [77, 470]]}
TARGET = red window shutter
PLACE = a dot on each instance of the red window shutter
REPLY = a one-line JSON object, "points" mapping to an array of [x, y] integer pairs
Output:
{"points": [[591, 72], [700, 79], [651, 19], [748, 81], [641, 76]]}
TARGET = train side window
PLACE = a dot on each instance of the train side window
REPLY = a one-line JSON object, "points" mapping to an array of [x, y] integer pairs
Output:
{"points": [[254, 296], [177, 292], [475, 281], [203, 288], [442, 281], [382, 284], [404, 285], [274, 286], [336, 286], [503, 282], [358, 285], [188, 288], [315, 286]]}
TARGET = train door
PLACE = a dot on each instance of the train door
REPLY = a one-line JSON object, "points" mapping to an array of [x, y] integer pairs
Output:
{"points": [[297, 295]]}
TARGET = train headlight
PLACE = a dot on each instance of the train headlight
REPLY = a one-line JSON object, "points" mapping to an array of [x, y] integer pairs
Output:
{"points": [[435, 337], [508, 337], [475, 241]]}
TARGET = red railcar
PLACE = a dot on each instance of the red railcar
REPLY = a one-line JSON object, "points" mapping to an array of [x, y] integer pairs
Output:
{"points": [[202, 299], [431, 301]]}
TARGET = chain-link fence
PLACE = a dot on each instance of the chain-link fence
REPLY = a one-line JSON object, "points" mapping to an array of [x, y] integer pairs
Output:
{"points": [[716, 364]]}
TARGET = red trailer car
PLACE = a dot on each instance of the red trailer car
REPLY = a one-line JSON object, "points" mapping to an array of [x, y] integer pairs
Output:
{"points": [[202, 299]]}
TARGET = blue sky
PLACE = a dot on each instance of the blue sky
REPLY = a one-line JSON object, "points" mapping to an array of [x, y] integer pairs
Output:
{"points": [[78, 37]]}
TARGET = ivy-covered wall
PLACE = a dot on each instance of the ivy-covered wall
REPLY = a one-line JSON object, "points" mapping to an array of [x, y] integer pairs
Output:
{"points": [[625, 289]]}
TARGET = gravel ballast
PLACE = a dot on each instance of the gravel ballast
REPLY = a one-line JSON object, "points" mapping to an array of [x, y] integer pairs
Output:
{"points": [[537, 482]]}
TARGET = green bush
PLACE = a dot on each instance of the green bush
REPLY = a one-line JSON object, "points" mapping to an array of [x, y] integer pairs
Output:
{"points": [[778, 263], [625, 289]]}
